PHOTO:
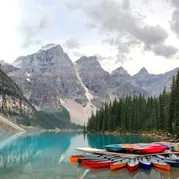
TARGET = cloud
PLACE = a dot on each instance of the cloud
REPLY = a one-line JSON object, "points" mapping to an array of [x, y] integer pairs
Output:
{"points": [[123, 27], [175, 21], [126, 4], [72, 44], [36, 17], [175, 16], [103, 58], [165, 50], [77, 54], [175, 3]]}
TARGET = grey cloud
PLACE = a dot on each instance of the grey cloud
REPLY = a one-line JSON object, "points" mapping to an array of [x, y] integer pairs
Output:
{"points": [[165, 50], [175, 21], [151, 35], [72, 44], [175, 17], [126, 4], [117, 21], [112, 19], [102, 58]]}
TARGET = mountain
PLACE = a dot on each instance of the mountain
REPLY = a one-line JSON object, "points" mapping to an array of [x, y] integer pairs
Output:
{"points": [[125, 84], [48, 76], [7, 68], [94, 78], [15, 109], [152, 83], [50, 80]]}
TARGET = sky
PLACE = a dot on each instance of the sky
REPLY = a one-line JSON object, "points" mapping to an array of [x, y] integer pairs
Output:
{"points": [[128, 33]]}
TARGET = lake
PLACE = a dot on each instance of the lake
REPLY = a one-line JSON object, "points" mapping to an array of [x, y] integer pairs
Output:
{"points": [[46, 156]]}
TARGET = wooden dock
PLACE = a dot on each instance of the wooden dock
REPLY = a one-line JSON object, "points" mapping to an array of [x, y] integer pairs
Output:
{"points": [[130, 155]]}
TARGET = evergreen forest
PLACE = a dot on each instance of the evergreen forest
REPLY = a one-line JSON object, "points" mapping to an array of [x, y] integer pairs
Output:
{"points": [[139, 114]]}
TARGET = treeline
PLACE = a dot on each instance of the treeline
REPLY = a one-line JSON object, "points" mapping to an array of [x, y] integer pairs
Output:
{"points": [[139, 114]]}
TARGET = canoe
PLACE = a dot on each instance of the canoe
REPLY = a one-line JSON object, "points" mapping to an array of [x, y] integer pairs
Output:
{"points": [[89, 162], [92, 157], [98, 160], [120, 164], [101, 164], [133, 164], [165, 144], [145, 162], [143, 148], [174, 156], [159, 163], [74, 158], [171, 161], [115, 148], [151, 149]]}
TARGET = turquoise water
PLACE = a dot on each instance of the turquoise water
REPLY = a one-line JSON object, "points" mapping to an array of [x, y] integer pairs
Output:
{"points": [[46, 156]]}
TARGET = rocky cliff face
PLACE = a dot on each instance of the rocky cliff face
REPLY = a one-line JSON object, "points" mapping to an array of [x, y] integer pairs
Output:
{"points": [[49, 79], [48, 76], [94, 78], [13, 104], [125, 84]]}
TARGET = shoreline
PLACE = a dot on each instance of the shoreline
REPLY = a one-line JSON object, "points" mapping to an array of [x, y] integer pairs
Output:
{"points": [[159, 136]]}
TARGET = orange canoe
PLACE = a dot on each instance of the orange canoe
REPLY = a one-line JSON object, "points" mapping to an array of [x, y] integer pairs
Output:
{"points": [[164, 167], [117, 166], [159, 163], [120, 164]]}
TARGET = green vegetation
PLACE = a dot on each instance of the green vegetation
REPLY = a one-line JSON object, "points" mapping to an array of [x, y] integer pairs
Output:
{"points": [[139, 114], [50, 119]]}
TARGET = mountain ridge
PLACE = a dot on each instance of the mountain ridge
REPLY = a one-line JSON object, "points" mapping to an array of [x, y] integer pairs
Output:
{"points": [[48, 77]]}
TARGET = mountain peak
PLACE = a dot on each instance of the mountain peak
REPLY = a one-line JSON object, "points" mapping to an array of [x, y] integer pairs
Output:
{"points": [[143, 71], [92, 60], [48, 46], [120, 70]]}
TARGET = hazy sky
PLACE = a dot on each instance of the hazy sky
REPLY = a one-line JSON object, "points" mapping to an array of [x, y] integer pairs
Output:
{"points": [[131, 33]]}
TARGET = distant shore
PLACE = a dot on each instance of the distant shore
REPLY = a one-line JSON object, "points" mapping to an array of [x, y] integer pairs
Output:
{"points": [[158, 136]]}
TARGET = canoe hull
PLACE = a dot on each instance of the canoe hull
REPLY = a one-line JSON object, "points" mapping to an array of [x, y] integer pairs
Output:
{"points": [[115, 148], [117, 166], [133, 168], [89, 162], [145, 166], [164, 167], [152, 150], [100, 164]]}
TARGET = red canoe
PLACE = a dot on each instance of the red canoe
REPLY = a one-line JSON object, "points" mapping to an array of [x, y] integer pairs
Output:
{"points": [[101, 164], [133, 164], [152, 148], [89, 162]]}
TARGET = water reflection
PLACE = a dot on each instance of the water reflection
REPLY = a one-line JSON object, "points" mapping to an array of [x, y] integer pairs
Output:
{"points": [[99, 141], [46, 156]]}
